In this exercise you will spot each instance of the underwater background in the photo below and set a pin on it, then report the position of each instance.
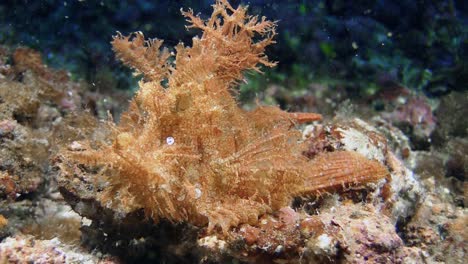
(388, 78)
(366, 44)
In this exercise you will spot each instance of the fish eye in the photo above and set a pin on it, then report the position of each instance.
(170, 141)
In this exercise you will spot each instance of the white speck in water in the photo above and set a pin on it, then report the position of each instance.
(170, 141)
(198, 193)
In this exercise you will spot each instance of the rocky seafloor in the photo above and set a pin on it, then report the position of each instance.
(417, 216)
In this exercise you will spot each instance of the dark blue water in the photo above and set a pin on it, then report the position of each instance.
(421, 44)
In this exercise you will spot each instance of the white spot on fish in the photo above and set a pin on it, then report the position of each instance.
(198, 193)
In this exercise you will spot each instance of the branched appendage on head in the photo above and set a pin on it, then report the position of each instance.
(233, 30)
(187, 152)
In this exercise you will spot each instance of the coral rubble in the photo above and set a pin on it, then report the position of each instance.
(39, 109)
(26, 249)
